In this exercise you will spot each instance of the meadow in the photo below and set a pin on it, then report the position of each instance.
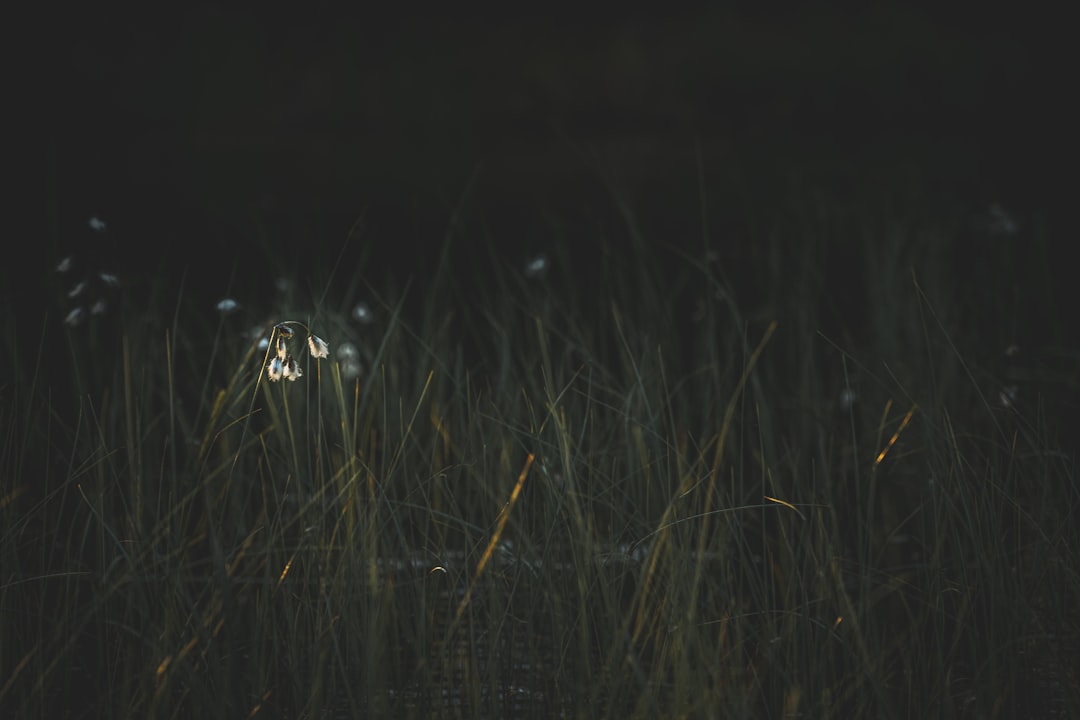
(817, 464)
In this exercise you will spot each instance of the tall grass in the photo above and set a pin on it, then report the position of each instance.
(621, 490)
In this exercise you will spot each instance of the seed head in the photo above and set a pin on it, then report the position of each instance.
(75, 316)
(283, 364)
(292, 370)
(318, 347)
(275, 369)
(362, 313)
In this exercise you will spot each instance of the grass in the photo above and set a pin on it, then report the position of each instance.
(650, 485)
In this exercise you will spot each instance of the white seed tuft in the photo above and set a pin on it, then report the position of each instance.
(536, 266)
(75, 316)
(274, 370)
(292, 370)
(318, 347)
(362, 313)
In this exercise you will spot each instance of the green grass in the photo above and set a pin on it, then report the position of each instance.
(628, 489)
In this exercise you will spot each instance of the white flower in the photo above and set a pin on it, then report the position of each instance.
(317, 346)
(350, 369)
(226, 306)
(292, 370)
(74, 317)
(274, 370)
(281, 348)
(97, 224)
(362, 313)
(536, 266)
(348, 358)
(347, 351)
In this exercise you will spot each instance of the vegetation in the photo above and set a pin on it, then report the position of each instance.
(827, 477)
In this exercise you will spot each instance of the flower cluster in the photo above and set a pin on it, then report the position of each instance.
(91, 287)
(283, 364)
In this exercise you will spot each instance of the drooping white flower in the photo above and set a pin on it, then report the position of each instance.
(292, 370)
(317, 346)
(274, 370)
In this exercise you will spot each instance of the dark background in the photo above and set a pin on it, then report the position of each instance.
(214, 140)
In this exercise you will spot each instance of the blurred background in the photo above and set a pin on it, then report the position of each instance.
(210, 139)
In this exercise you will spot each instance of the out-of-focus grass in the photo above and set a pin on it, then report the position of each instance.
(620, 488)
